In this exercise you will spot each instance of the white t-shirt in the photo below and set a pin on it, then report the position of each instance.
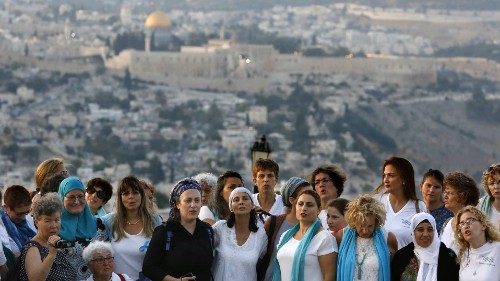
(234, 262)
(482, 264)
(277, 209)
(114, 277)
(399, 223)
(205, 213)
(323, 243)
(448, 237)
(129, 254)
(324, 219)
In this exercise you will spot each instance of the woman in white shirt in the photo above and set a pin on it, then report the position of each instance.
(239, 243)
(306, 250)
(479, 246)
(130, 228)
(397, 194)
(460, 190)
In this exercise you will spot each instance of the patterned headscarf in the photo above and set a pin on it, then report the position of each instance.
(175, 194)
(289, 188)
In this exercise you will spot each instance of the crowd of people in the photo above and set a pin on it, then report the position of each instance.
(218, 229)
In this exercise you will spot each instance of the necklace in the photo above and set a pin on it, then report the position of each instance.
(360, 264)
(133, 223)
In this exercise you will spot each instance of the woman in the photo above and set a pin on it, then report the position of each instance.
(399, 198)
(100, 260)
(208, 183)
(479, 246)
(47, 169)
(432, 194)
(77, 223)
(40, 260)
(97, 194)
(460, 190)
(335, 211)
(170, 255)
(365, 246)
(289, 193)
(426, 258)
(490, 203)
(306, 250)
(130, 228)
(217, 208)
(239, 243)
(150, 190)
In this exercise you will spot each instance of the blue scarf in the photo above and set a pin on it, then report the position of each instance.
(300, 253)
(73, 226)
(20, 233)
(346, 265)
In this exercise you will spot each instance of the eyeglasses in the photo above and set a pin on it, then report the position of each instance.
(320, 181)
(467, 222)
(79, 198)
(92, 190)
(103, 260)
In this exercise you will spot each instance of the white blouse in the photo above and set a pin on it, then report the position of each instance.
(323, 243)
(234, 262)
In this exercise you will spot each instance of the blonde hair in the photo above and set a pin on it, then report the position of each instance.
(362, 206)
(491, 234)
(46, 169)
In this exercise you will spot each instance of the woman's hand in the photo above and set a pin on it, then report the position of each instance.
(52, 243)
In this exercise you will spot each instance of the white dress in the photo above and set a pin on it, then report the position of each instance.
(448, 237)
(234, 262)
(481, 264)
(323, 243)
(399, 222)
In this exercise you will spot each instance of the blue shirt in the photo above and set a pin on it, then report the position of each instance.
(440, 214)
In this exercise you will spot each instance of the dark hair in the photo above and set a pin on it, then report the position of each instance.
(217, 202)
(16, 196)
(436, 174)
(104, 185)
(51, 184)
(465, 186)
(405, 171)
(335, 173)
(265, 164)
(338, 203)
(47, 205)
(314, 194)
(252, 224)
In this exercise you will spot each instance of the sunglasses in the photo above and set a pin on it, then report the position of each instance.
(99, 193)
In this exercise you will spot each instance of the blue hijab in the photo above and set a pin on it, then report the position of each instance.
(300, 253)
(76, 226)
(346, 264)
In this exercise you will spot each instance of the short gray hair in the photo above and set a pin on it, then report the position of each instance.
(209, 178)
(47, 205)
(96, 247)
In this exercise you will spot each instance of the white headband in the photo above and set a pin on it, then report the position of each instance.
(239, 189)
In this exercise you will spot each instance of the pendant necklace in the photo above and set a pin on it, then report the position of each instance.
(133, 223)
(360, 264)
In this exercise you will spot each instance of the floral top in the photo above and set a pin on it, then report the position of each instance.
(411, 270)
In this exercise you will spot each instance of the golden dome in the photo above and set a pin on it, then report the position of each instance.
(158, 20)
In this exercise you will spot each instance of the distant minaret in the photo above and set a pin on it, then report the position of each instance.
(222, 32)
(147, 43)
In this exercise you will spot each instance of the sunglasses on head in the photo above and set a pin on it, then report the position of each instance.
(99, 193)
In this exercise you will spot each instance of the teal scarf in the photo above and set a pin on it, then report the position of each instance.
(74, 226)
(300, 253)
(346, 264)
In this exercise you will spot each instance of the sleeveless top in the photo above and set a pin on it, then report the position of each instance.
(61, 269)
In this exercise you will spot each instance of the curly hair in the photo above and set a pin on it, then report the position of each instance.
(362, 206)
(47, 205)
(491, 233)
(336, 174)
(468, 192)
(96, 247)
(488, 177)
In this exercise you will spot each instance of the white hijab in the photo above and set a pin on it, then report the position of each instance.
(427, 257)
